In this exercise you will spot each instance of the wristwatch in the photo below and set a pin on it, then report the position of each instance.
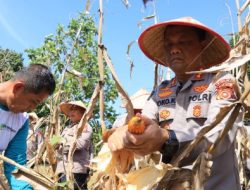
(172, 140)
(170, 147)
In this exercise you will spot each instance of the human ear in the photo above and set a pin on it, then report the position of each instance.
(18, 87)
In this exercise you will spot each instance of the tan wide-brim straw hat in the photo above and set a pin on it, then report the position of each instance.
(151, 42)
(65, 107)
(139, 99)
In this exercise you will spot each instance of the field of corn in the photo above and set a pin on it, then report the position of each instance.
(124, 170)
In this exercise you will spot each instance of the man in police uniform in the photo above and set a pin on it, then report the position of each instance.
(187, 103)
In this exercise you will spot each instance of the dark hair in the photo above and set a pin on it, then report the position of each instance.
(200, 32)
(179, 177)
(37, 78)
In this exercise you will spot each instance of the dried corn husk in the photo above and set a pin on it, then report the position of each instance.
(146, 178)
(101, 161)
(124, 170)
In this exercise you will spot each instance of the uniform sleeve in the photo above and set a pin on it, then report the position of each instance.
(151, 110)
(16, 151)
(225, 92)
(83, 141)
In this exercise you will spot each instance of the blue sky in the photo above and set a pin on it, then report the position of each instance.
(24, 24)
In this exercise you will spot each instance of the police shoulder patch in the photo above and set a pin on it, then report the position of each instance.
(225, 89)
(165, 92)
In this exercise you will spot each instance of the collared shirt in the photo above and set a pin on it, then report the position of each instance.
(13, 133)
(188, 109)
(81, 155)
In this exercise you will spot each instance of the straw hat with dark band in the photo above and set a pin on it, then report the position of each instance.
(151, 42)
(66, 107)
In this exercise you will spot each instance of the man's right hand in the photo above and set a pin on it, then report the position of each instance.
(150, 141)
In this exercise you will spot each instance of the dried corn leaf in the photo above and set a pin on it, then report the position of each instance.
(232, 63)
(36, 184)
(3, 183)
(147, 160)
(121, 161)
(51, 155)
(101, 161)
(146, 178)
(126, 3)
(125, 98)
(87, 7)
(119, 174)
(32, 175)
(144, 19)
(129, 57)
(97, 181)
(219, 117)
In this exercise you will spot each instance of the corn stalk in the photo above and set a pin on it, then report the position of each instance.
(125, 98)
(101, 66)
(32, 174)
(3, 184)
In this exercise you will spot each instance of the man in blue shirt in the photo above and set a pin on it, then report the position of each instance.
(28, 88)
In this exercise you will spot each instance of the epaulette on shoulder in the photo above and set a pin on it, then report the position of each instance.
(163, 83)
(151, 94)
(166, 82)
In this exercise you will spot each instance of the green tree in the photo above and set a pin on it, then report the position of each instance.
(10, 62)
(83, 59)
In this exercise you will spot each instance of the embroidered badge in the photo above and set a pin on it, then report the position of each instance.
(197, 111)
(200, 88)
(224, 94)
(225, 83)
(225, 89)
(165, 92)
(164, 114)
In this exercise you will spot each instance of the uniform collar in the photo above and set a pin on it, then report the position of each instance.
(73, 125)
(188, 83)
(3, 107)
(195, 77)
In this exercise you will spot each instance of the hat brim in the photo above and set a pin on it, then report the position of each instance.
(151, 42)
(65, 107)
